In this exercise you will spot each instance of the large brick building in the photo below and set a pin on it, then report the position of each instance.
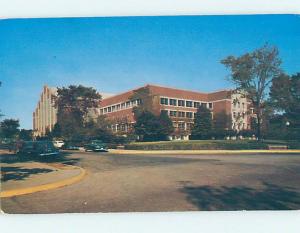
(181, 106)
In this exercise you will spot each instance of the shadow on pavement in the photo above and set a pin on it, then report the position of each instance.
(63, 157)
(271, 197)
(18, 173)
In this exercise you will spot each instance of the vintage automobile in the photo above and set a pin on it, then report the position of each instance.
(58, 143)
(37, 148)
(69, 145)
(96, 146)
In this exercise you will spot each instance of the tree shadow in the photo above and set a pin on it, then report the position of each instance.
(270, 197)
(18, 173)
(63, 157)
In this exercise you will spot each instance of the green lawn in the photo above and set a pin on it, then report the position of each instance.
(209, 145)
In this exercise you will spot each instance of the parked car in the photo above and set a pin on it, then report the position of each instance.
(37, 148)
(70, 146)
(96, 146)
(58, 143)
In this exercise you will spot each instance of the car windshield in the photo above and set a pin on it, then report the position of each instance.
(27, 144)
(96, 142)
(45, 144)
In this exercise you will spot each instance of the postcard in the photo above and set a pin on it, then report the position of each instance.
(150, 114)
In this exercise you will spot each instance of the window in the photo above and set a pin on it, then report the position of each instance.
(122, 105)
(113, 108)
(133, 102)
(189, 125)
(181, 114)
(109, 109)
(118, 107)
(118, 127)
(105, 110)
(210, 105)
(127, 104)
(181, 125)
(101, 111)
(234, 114)
(139, 101)
(195, 114)
(181, 103)
(189, 114)
(173, 113)
(196, 104)
(239, 105)
(164, 101)
(164, 111)
(204, 104)
(123, 127)
(173, 102)
(189, 103)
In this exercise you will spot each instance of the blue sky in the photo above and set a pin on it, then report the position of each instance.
(117, 54)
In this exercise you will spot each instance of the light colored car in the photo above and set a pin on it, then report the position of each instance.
(58, 144)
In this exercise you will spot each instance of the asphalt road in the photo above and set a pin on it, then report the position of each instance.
(124, 183)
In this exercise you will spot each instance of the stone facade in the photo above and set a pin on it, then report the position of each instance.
(45, 114)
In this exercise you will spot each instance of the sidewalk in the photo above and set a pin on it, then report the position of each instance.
(202, 152)
(24, 178)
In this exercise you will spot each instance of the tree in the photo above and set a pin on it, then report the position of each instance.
(56, 131)
(10, 128)
(202, 124)
(252, 73)
(73, 104)
(166, 125)
(221, 124)
(285, 98)
(148, 127)
(145, 98)
(26, 134)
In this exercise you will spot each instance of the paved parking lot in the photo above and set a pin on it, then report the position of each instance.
(122, 183)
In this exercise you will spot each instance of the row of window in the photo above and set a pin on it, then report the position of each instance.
(184, 103)
(183, 125)
(239, 115)
(120, 106)
(238, 105)
(180, 114)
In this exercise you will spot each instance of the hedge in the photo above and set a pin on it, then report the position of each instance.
(198, 145)
(208, 145)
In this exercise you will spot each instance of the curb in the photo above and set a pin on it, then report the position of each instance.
(45, 187)
(201, 152)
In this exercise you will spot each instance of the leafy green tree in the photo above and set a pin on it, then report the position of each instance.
(202, 128)
(10, 128)
(26, 134)
(148, 127)
(73, 104)
(252, 73)
(285, 98)
(145, 98)
(221, 124)
(56, 131)
(166, 125)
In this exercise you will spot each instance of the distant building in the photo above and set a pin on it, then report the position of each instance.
(180, 105)
(45, 114)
